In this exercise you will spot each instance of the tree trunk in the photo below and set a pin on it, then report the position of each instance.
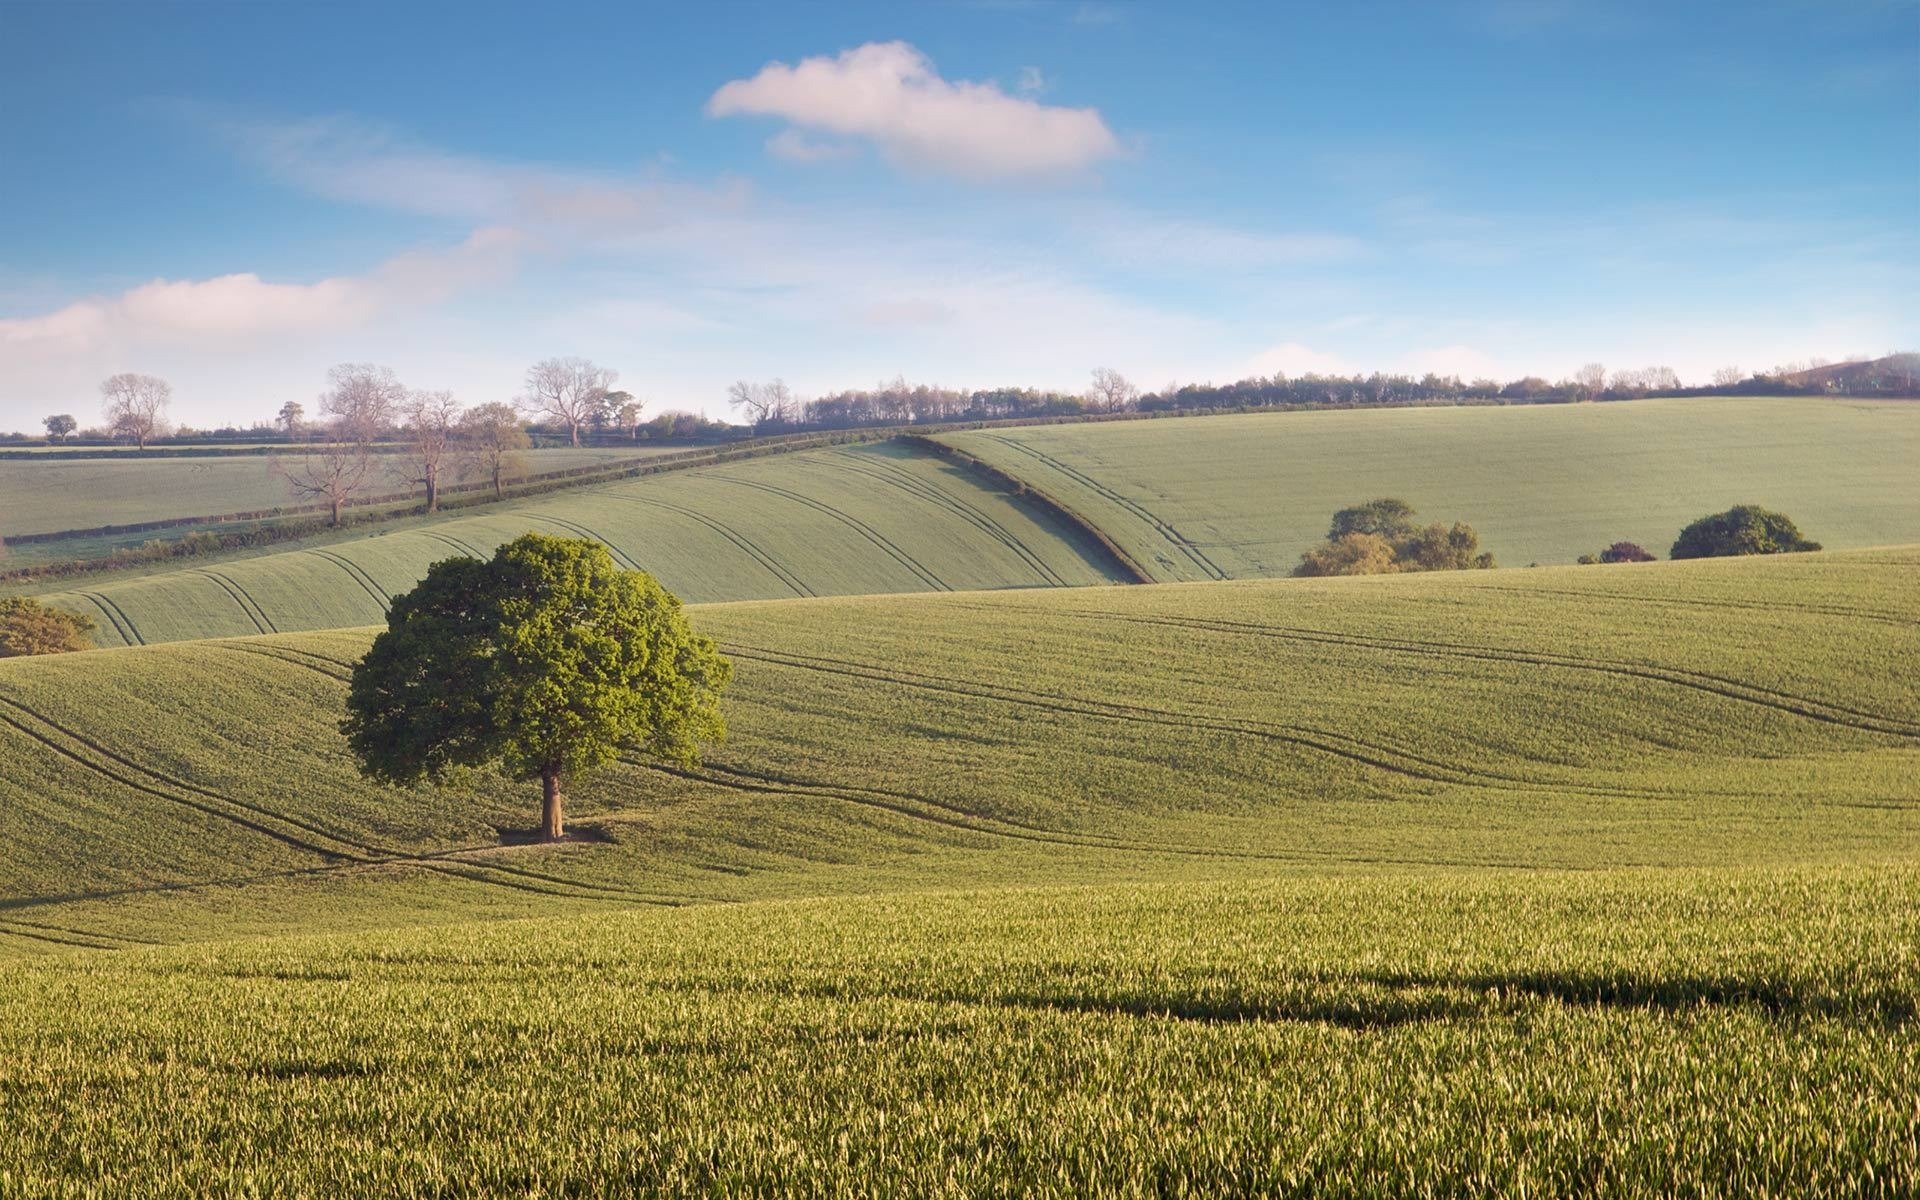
(433, 492)
(336, 512)
(575, 428)
(498, 494)
(552, 815)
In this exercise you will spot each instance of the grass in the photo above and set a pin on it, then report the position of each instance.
(848, 520)
(1241, 496)
(1568, 881)
(1708, 1033)
(45, 497)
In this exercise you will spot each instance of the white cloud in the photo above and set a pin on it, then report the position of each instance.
(793, 146)
(890, 94)
(242, 306)
(1292, 358)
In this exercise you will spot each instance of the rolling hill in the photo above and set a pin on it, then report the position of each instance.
(1235, 497)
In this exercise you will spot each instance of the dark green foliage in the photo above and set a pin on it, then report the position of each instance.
(547, 660)
(1623, 552)
(1743, 529)
(1386, 517)
(1380, 538)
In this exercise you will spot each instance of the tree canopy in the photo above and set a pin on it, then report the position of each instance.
(30, 627)
(1742, 529)
(1381, 537)
(548, 660)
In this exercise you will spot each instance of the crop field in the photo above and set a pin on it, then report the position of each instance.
(1566, 880)
(64, 493)
(850, 520)
(1236, 497)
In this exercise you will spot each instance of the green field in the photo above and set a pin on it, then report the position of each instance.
(60, 494)
(1529, 882)
(1240, 497)
(850, 520)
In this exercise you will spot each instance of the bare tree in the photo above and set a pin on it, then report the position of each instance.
(362, 400)
(335, 471)
(1592, 379)
(491, 441)
(1728, 377)
(766, 403)
(568, 390)
(293, 414)
(1111, 391)
(136, 406)
(431, 421)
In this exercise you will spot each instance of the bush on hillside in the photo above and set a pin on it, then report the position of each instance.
(1743, 529)
(1380, 537)
(30, 627)
(1619, 552)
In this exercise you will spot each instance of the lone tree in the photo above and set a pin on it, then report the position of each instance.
(293, 414)
(548, 660)
(30, 627)
(135, 405)
(60, 426)
(571, 391)
(1743, 529)
(492, 439)
(1111, 391)
(431, 421)
(361, 400)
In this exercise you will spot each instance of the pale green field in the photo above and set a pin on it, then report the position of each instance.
(1570, 881)
(858, 519)
(1241, 496)
(45, 497)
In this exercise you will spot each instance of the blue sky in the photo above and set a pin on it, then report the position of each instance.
(237, 196)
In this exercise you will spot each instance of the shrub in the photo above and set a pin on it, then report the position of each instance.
(1380, 537)
(30, 627)
(1743, 529)
(1621, 552)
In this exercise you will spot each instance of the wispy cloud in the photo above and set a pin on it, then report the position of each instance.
(889, 93)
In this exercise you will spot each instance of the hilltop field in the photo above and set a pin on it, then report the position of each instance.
(1225, 497)
(1011, 880)
(1471, 882)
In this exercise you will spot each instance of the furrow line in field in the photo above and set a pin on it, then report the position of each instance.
(265, 652)
(739, 540)
(12, 930)
(576, 528)
(1830, 610)
(961, 819)
(278, 835)
(233, 592)
(1381, 757)
(464, 549)
(1166, 530)
(358, 574)
(888, 473)
(854, 523)
(122, 623)
(1719, 685)
(107, 613)
(43, 927)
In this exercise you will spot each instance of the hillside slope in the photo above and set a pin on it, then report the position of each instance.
(1240, 497)
(1732, 712)
(856, 519)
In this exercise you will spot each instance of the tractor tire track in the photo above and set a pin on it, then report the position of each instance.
(456, 543)
(1177, 539)
(1391, 759)
(740, 540)
(356, 851)
(1829, 610)
(574, 527)
(894, 476)
(248, 606)
(122, 623)
(854, 523)
(1827, 711)
(358, 574)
